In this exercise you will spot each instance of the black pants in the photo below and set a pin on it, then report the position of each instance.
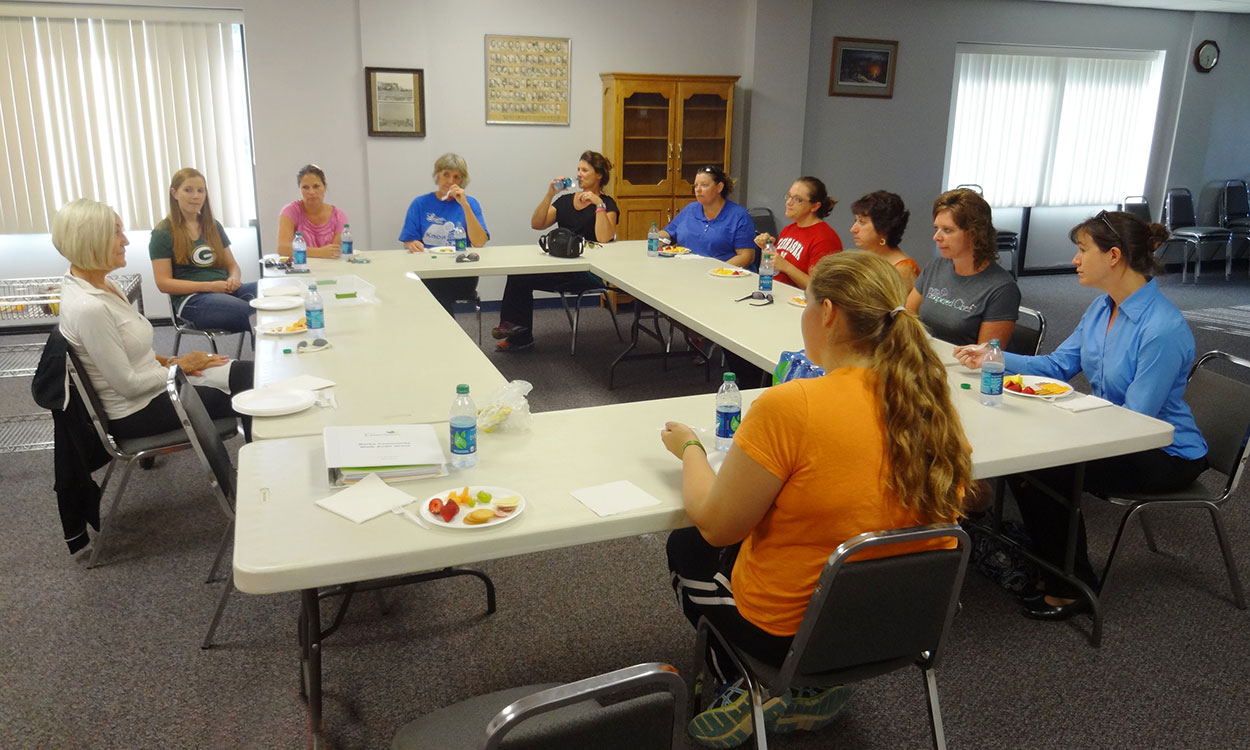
(517, 306)
(1047, 519)
(159, 415)
(700, 575)
(447, 291)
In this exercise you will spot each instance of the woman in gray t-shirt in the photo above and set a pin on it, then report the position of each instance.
(965, 297)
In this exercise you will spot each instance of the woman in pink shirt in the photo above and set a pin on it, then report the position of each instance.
(318, 222)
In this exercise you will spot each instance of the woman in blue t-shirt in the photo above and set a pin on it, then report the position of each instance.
(1136, 349)
(714, 225)
(432, 216)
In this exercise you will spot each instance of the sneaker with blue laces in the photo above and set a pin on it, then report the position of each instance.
(727, 722)
(812, 708)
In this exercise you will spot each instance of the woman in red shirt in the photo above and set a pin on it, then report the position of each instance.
(809, 238)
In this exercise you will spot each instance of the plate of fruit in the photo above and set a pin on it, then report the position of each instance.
(729, 272)
(1034, 386)
(472, 507)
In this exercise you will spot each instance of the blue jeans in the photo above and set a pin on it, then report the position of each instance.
(218, 310)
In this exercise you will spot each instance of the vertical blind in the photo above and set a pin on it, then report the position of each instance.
(110, 108)
(1054, 130)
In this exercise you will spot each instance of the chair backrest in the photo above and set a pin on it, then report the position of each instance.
(764, 220)
(91, 399)
(1138, 206)
(874, 616)
(971, 186)
(653, 720)
(203, 435)
(1178, 210)
(1027, 339)
(1234, 201)
(1221, 407)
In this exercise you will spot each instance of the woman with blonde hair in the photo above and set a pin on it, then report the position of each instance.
(965, 297)
(115, 341)
(873, 444)
(192, 262)
(431, 218)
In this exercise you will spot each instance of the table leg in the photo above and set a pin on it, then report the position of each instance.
(310, 659)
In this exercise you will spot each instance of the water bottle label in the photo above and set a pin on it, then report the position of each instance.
(766, 283)
(347, 247)
(727, 422)
(464, 440)
(316, 319)
(991, 383)
(653, 245)
(461, 244)
(299, 256)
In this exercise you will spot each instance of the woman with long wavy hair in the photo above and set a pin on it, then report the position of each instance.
(873, 444)
(192, 262)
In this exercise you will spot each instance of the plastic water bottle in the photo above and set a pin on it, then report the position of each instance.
(566, 183)
(463, 420)
(767, 270)
(315, 312)
(728, 412)
(345, 240)
(653, 241)
(992, 368)
(459, 238)
(299, 251)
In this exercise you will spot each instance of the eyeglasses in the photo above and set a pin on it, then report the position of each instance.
(1114, 234)
(467, 257)
(768, 298)
(796, 199)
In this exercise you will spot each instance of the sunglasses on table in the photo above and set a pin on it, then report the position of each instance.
(757, 295)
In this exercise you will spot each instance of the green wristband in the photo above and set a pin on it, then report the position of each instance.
(689, 443)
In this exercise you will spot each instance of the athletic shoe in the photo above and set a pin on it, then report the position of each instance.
(812, 708)
(504, 330)
(515, 343)
(727, 722)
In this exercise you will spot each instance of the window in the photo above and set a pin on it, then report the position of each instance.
(1044, 127)
(109, 107)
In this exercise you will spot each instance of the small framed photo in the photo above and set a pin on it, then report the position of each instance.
(395, 102)
(863, 67)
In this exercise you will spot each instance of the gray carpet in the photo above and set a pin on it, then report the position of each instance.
(109, 658)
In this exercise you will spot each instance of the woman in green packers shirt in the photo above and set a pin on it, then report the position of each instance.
(192, 262)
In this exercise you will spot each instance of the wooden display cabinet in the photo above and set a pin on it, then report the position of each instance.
(658, 131)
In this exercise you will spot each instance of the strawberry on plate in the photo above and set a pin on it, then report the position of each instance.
(449, 511)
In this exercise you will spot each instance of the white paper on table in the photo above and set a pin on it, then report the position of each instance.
(1081, 403)
(382, 445)
(302, 383)
(366, 499)
(614, 497)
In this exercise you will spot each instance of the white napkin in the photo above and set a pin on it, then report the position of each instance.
(614, 497)
(1081, 403)
(302, 383)
(368, 498)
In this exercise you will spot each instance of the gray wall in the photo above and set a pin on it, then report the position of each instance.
(859, 145)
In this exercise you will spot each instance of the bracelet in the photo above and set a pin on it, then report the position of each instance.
(601, 208)
(689, 443)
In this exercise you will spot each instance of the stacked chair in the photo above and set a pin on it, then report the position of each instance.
(1234, 212)
(1181, 221)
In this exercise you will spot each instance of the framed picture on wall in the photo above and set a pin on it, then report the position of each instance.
(395, 102)
(863, 67)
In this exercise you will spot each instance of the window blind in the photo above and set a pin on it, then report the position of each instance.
(110, 108)
(1053, 128)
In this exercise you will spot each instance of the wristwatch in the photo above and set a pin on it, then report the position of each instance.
(601, 207)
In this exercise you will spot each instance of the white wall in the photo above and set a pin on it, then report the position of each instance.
(899, 144)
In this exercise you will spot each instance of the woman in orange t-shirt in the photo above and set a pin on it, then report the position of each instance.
(812, 465)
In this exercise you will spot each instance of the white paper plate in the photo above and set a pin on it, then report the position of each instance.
(272, 402)
(797, 301)
(441, 250)
(458, 522)
(286, 290)
(282, 302)
(276, 329)
(740, 273)
(674, 252)
(1036, 380)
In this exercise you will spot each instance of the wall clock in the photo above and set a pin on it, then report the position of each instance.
(1206, 55)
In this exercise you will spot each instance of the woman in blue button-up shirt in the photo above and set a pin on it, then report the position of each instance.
(714, 225)
(1136, 349)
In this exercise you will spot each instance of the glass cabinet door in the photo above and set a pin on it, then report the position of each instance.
(703, 132)
(646, 152)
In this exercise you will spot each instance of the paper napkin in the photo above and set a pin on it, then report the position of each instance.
(368, 498)
(614, 497)
(1081, 403)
